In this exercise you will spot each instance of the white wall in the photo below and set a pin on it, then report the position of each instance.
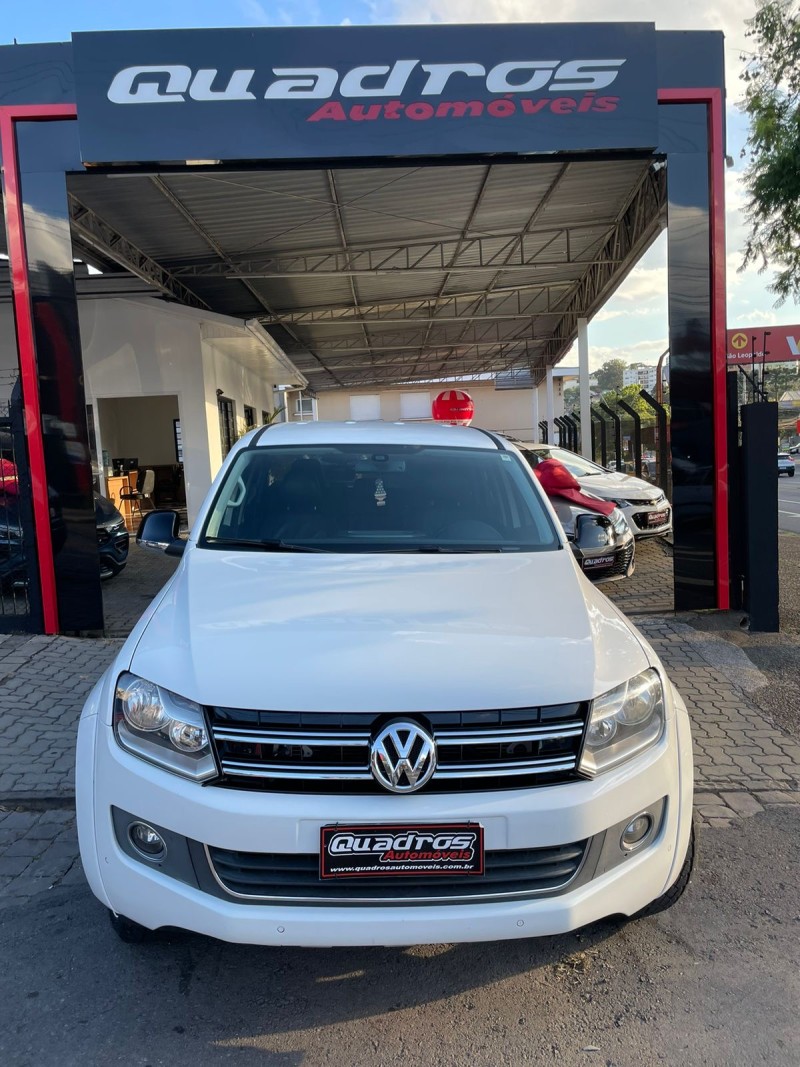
(506, 410)
(239, 384)
(143, 348)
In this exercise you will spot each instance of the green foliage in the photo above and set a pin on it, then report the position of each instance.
(572, 399)
(610, 375)
(781, 377)
(271, 416)
(630, 394)
(772, 178)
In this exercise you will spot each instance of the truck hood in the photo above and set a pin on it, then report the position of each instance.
(384, 633)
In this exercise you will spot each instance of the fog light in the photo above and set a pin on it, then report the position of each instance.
(636, 832)
(147, 841)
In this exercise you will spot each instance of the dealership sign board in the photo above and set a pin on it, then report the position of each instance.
(345, 92)
(764, 344)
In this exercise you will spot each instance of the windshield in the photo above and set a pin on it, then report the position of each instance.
(576, 465)
(389, 499)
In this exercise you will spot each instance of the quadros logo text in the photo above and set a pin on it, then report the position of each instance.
(176, 83)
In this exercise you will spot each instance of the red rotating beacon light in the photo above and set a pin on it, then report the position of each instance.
(454, 407)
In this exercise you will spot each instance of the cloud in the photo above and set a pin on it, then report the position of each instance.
(726, 15)
(255, 12)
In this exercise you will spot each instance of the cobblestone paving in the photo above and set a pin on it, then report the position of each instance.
(743, 762)
(44, 682)
(38, 853)
(126, 596)
(649, 589)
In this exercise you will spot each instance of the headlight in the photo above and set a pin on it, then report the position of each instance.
(619, 522)
(163, 728)
(624, 722)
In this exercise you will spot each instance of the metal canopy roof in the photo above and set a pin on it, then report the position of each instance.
(379, 275)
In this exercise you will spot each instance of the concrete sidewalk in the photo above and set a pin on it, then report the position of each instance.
(743, 761)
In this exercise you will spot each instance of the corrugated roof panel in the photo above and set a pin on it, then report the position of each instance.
(469, 226)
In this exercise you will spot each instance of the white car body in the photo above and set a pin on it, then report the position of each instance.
(637, 499)
(369, 634)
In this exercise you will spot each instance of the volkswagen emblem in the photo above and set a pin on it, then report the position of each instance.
(403, 757)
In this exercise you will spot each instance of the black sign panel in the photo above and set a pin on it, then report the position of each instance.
(349, 92)
(367, 851)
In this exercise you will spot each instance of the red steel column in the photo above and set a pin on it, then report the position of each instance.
(20, 288)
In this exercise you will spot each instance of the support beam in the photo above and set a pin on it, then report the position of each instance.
(535, 413)
(508, 252)
(519, 301)
(96, 234)
(551, 422)
(478, 335)
(583, 382)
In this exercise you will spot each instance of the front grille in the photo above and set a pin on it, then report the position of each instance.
(307, 752)
(294, 878)
(622, 561)
(118, 534)
(647, 502)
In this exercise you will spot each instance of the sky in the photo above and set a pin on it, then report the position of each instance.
(633, 324)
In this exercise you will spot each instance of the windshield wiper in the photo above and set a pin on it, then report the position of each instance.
(267, 545)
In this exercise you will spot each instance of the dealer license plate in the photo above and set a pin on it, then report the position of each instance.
(597, 561)
(405, 849)
(657, 518)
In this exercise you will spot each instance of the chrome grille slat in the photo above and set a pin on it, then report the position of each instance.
(480, 737)
(251, 738)
(314, 773)
(508, 770)
(329, 753)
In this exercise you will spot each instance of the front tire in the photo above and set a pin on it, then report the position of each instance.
(678, 888)
(130, 932)
(109, 568)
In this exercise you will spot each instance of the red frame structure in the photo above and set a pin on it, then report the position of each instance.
(711, 98)
(21, 294)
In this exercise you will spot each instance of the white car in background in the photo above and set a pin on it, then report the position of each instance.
(644, 506)
(379, 704)
(785, 464)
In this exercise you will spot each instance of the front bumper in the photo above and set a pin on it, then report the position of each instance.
(231, 819)
(608, 565)
(637, 518)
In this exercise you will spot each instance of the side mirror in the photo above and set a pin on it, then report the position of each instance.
(160, 530)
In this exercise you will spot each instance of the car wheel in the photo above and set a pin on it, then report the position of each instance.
(109, 569)
(790, 473)
(678, 888)
(130, 932)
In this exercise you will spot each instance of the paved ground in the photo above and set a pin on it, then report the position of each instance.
(714, 981)
(126, 596)
(789, 502)
(649, 590)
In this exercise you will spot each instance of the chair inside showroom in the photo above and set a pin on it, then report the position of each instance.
(135, 497)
